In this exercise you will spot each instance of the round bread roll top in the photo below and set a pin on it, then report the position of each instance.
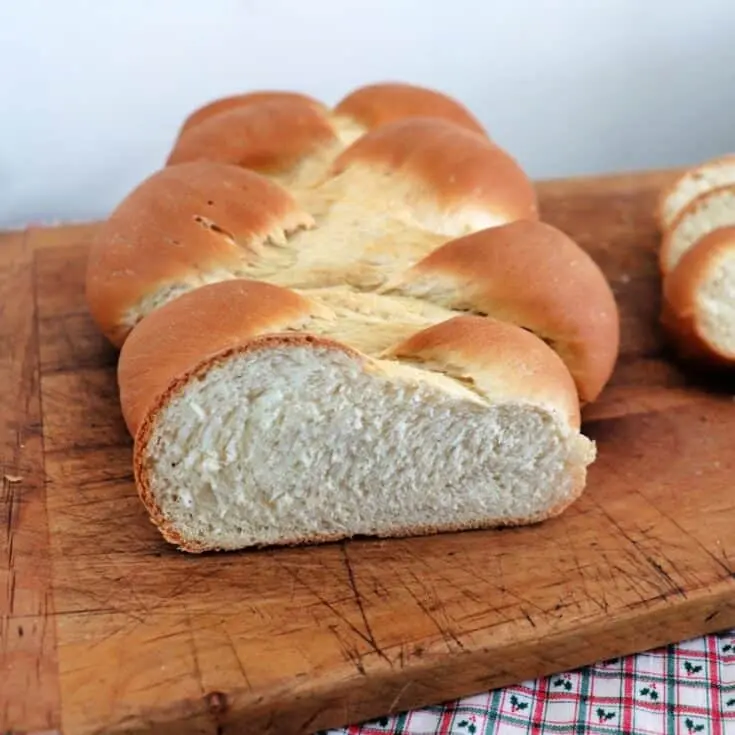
(182, 225)
(536, 277)
(226, 104)
(272, 136)
(698, 309)
(378, 104)
(438, 175)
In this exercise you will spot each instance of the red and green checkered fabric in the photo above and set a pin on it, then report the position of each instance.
(683, 689)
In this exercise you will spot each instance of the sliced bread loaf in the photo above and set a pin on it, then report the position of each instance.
(320, 341)
(261, 416)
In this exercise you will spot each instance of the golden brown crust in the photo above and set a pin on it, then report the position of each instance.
(179, 335)
(378, 104)
(193, 547)
(271, 137)
(225, 104)
(178, 224)
(532, 275)
(455, 166)
(493, 353)
(679, 312)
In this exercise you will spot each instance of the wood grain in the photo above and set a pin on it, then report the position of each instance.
(143, 639)
(29, 688)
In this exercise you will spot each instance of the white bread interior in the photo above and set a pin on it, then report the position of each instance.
(294, 444)
(715, 304)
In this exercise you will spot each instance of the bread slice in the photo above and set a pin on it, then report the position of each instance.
(708, 212)
(698, 308)
(262, 417)
(694, 182)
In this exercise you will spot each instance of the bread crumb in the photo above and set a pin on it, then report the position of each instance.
(13, 478)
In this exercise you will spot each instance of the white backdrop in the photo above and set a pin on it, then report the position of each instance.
(92, 93)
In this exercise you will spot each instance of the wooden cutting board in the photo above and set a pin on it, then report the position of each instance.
(106, 629)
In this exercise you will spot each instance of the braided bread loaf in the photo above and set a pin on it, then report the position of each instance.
(697, 261)
(267, 416)
(396, 346)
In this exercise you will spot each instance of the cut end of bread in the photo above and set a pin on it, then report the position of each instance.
(291, 441)
(715, 305)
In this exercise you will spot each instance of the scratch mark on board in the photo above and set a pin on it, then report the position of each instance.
(446, 633)
(194, 651)
(358, 599)
(334, 610)
(240, 664)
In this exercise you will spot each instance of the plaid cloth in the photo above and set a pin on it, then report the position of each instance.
(683, 689)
